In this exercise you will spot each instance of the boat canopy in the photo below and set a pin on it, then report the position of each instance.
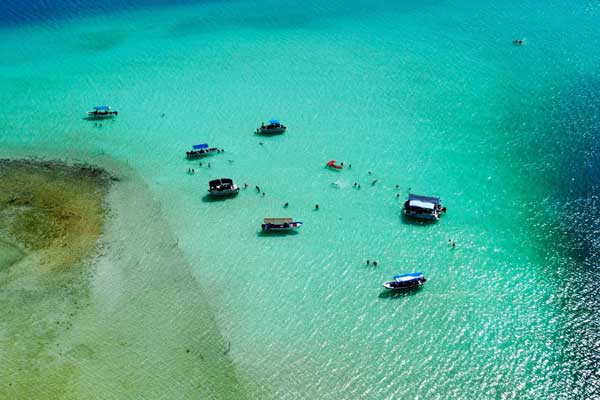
(274, 122)
(278, 221)
(409, 277)
(218, 182)
(102, 108)
(425, 199)
(200, 146)
(421, 204)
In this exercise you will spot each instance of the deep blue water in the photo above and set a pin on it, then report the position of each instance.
(15, 12)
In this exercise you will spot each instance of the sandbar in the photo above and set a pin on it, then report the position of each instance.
(96, 299)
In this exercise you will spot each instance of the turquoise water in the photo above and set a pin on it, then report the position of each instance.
(429, 96)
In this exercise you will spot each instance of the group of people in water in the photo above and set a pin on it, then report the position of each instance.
(193, 171)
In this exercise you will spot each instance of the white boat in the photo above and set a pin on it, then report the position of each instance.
(222, 187)
(102, 112)
(273, 128)
(280, 224)
(406, 281)
(423, 207)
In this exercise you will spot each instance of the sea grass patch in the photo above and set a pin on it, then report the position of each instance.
(52, 207)
(51, 217)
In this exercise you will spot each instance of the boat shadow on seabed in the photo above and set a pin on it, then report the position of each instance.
(262, 233)
(395, 294)
(406, 220)
(207, 198)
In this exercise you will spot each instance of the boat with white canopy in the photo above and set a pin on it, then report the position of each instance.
(222, 187)
(423, 207)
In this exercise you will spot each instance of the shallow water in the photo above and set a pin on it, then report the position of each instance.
(429, 96)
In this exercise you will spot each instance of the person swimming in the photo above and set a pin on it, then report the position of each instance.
(518, 42)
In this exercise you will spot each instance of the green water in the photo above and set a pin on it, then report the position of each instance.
(431, 97)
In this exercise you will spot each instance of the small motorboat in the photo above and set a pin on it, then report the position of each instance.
(273, 128)
(406, 281)
(423, 207)
(223, 187)
(280, 224)
(101, 112)
(201, 150)
(332, 164)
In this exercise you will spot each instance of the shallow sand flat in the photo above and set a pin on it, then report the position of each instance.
(51, 216)
(130, 323)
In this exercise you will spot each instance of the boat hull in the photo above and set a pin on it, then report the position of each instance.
(273, 131)
(192, 155)
(276, 228)
(425, 216)
(222, 193)
(393, 285)
(101, 116)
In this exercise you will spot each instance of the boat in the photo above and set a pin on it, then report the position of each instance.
(273, 128)
(280, 224)
(102, 112)
(332, 164)
(406, 281)
(423, 207)
(222, 187)
(200, 150)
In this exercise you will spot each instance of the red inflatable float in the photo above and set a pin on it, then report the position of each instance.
(332, 164)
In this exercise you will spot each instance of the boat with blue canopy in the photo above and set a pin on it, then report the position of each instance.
(406, 281)
(423, 207)
(274, 127)
(102, 112)
(201, 150)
